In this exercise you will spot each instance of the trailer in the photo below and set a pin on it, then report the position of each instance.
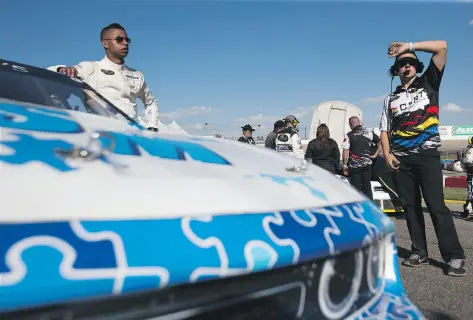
(335, 115)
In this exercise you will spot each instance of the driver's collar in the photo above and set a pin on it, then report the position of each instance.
(114, 65)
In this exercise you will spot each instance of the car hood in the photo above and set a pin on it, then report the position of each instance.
(165, 175)
(165, 198)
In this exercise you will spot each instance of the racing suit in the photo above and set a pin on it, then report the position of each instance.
(288, 140)
(121, 85)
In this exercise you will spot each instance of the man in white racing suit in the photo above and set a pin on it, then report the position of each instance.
(288, 140)
(117, 82)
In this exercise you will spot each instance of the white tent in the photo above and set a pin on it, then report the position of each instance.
(163, 127)
(174, 128)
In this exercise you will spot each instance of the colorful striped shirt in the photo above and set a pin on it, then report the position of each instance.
(411, 117)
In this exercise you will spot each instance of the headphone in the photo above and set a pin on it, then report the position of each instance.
(394, 70)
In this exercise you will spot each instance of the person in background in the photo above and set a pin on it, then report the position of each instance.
(247, 136)
(357, 155)
(410, 138)
(323, 151)
(466, 158)
(113, 79)
(288, 140)
(270, 141)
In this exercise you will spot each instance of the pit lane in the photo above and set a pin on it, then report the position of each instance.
(438, 296)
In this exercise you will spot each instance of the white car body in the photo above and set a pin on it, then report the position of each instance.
(134, 210)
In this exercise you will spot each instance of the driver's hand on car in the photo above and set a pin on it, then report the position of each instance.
(392, 162)
(68, 71)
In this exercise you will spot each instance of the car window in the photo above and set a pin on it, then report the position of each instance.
(20, 85)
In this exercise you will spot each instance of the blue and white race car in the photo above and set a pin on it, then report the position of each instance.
(101, 219)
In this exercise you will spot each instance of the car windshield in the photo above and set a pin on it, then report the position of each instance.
(38, 86)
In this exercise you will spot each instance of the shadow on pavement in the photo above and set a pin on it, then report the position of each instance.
(404, 253)
(432, 315)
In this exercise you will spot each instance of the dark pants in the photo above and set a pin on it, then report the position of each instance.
(423, 172)
(469, 184)
(360, 178)
(380, 172)
(327, 165)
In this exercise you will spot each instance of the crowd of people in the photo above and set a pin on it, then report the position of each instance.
(408, 142)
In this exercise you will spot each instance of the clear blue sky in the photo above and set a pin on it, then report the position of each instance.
(232, 63)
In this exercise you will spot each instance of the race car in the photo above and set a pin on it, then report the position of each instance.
(101, 219)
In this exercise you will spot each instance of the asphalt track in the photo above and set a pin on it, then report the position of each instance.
(438, 296)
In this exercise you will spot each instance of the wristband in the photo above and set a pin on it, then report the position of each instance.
(412, 46)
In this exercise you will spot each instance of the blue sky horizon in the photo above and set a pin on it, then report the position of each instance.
(229, 63)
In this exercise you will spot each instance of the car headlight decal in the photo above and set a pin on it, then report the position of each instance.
(337, 310)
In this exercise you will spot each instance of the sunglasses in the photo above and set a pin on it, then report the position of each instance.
(119, 39)
(407, 61)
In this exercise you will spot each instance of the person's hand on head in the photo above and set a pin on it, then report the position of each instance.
(397, 48)
(68, 71)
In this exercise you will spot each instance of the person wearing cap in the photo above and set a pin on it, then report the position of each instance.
(270, 141)
(288, 140)
(247, 136)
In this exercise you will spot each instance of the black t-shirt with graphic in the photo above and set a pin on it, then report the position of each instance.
(411, 117)
(359, 143)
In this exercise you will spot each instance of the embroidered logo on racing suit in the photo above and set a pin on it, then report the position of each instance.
(108, 72)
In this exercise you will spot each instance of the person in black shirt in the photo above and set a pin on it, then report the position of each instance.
(357, 155)
(410, 139)
(270, 141)
(323, 151)
(247, 136)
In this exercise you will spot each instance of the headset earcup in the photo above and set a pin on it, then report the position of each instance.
(393, 70)
(420, 66)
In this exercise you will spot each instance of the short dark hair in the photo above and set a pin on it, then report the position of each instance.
(111, 26)
(279, 124)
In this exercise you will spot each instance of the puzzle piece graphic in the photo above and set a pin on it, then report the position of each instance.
(390, 307)
(47, 281)
(324, 231)
(159, 244)
(90, 254)
(243, 241)
(304, 181)
(136, 283)
(37, 119)
(28, 148)
(307, 230)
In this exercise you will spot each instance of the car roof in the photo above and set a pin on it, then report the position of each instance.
(37, 71)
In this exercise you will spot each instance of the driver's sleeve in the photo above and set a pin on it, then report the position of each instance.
(297, 149)
(151, 106)
(84, 69)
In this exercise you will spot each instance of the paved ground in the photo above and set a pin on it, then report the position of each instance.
(439, 296)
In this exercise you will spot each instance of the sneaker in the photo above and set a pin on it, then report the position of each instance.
(415, 260)
(466, 210)
(456, 267)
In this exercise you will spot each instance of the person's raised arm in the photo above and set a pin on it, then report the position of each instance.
(438, 48)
